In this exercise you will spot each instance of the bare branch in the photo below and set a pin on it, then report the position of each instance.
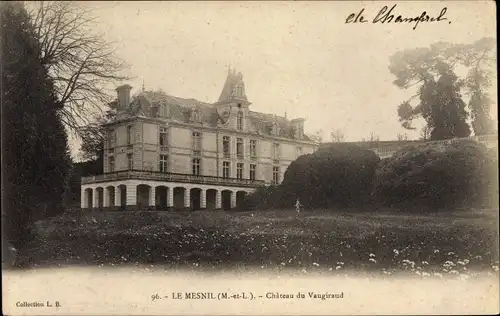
(80, 62)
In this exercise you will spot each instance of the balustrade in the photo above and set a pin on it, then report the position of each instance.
(170, 177)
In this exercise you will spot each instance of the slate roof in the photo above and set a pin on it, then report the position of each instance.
(232, 79)
(148, 103)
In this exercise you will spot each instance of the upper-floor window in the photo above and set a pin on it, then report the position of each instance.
(239, 170)
(163, 163)
(163, 136)
(130, 135)
(196, 166)
(111, 164)
(196, 141)
(112, 139)
(276, 175)
(226, 148)
(130, 161)
(276, 151)
(239, 148)
(239, 121)
(253, 149)
(253, 171)
(226, 169)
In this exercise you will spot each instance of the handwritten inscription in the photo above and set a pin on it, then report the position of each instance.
(246, 296)
(386, 15)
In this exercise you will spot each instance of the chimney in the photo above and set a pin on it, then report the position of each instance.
(123, 93)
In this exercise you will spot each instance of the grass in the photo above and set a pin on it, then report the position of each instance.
(461, 244)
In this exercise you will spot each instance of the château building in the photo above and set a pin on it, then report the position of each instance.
(167, 152)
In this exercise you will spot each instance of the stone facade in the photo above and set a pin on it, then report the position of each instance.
(223, 144)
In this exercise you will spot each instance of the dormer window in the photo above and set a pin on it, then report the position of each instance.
(163, 110)
(196, 116)
(275, 129)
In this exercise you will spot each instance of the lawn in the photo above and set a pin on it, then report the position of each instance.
(462, 244)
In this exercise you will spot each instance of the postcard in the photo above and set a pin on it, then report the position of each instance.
(249, 158)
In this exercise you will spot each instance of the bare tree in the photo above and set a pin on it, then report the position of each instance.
(80, 62)
(373, 138)
(425, 133)
(337, 136)
(402, 137)
(317, 136)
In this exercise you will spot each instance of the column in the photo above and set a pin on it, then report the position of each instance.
(83, 197)
(105, 197)
(187, 198)
(152, 196)
(218, 200)
(233, 200)
(203, 199)
(118, 196)
(95, 197)
(170, 197)
(131, 194)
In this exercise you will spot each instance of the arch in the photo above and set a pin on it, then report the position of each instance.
(122, 191)
(88, 195)
(226, 199)
(179, 193)
(161, 193)
(211, 196)
(99, 191)
(195, 195)
(110, 190)
(143, 196)
(240, 198)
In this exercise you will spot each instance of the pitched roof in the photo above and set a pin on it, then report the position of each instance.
(179, 109)
(233, 79)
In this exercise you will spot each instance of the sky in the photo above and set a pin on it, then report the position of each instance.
(296, 57)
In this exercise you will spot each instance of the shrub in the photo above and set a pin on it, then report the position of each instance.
(335, 175)
(434, 175)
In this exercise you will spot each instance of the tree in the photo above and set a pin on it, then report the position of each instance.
(445, 110)
(94, 135)
(317, 136)
(79, 61)
(402, 137)
(35, 152)
(432, 69)
(425, 133)
(372, 139)
(337, 136)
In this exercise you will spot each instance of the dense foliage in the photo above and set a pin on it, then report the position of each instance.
(35, 156)
(433, 175)
(335, 175)
(432, 71)
(427, 176)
